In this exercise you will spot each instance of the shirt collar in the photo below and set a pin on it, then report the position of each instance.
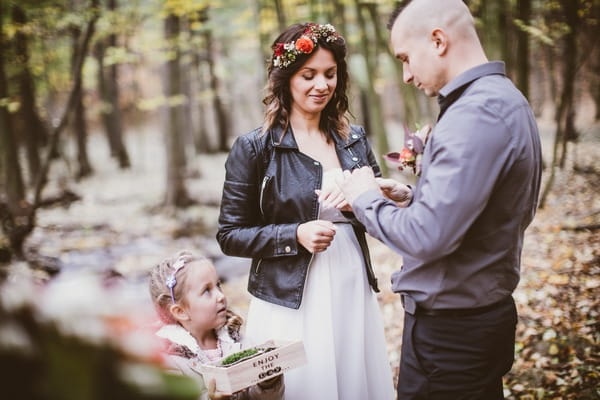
(489, 68)
(453, 89)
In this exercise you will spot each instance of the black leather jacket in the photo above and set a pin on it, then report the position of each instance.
(269, 190)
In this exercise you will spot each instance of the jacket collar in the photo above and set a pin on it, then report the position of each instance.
(288, 141)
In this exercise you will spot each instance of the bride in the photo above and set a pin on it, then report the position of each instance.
(311, 277)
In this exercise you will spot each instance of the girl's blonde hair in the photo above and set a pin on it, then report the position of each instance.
(161, 293)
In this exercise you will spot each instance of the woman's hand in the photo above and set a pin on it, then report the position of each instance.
(395, 191)
(213, 394)
(316, 236)
(333, 198)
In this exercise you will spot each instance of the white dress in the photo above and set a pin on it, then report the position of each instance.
(339, 322)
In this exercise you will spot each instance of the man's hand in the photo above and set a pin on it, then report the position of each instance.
(316, 236)
(395, 191)
(357, 182)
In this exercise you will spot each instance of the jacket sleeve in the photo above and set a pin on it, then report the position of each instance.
(241, 231)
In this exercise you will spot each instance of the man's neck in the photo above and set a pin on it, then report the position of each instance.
(464, 61)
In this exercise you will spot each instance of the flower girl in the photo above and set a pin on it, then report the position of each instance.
(198, 326)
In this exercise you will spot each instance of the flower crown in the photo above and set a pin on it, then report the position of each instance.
(285, 54)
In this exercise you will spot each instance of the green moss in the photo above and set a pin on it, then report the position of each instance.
(235, 357)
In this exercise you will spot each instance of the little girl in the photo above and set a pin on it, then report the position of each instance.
(198, 325)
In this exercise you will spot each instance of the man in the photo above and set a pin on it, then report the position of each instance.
(462, 233)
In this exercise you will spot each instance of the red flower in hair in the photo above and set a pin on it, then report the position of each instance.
(278, 49)
(305, 45)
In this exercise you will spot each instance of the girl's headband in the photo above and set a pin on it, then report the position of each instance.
(171, 280)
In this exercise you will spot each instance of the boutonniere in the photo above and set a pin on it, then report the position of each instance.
(412, 153)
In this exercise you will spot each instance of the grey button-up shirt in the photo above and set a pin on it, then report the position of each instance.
(462, 235)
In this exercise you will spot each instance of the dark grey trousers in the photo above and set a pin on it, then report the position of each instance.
(457, 357)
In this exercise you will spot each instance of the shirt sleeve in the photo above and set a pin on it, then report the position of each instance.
(470, 150)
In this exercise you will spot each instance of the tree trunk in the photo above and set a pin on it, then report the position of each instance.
(11, 180)
(264, 39)
(505, 25)
(595, 81)
(187, 91)
(34, 131)
(413, 113)
(201, 137)
(108, 88)
(176, 193)
(69, 107)
(564, 111)
(312, 9)
(281, 19)
(568, 118)
(337, 14)
(375, 110)
(490, 33)
(524, 7)
(113, 95)
(79, 121)
(215, 87)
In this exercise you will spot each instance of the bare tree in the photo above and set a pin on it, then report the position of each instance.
(34, 131)
(12, 203)
(176, 192)
(369, 53)
(524, 12)
(79, 118)
(108, 87)
(215, 87)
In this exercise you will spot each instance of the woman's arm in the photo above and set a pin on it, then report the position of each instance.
(241, 230)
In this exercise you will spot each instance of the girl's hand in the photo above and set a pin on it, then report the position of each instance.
(213, 394)
(333, 197)
(395, 191)
(316, 236)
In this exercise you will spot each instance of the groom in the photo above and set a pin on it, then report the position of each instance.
(462, 233)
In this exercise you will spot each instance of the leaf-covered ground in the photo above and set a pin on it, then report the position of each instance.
(118, 226)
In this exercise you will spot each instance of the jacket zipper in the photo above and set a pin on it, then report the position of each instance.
(257, 267)
(312, 256)
(262, 191)
(260, 206)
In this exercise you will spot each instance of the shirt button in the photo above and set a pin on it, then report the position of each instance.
(316, 162)
(355, 136)
(288, 249)
(354, 158)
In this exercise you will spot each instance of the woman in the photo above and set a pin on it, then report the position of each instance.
(311, 276)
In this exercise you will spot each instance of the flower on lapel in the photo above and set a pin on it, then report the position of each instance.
(412, 153)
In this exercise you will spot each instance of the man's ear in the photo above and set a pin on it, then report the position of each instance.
(178, 312)
(439, 40)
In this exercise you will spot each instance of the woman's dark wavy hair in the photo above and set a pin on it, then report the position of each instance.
(278, 98)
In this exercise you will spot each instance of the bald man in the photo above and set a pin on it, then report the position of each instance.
(461, 235)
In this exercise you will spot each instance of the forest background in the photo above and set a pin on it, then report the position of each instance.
(115, 121)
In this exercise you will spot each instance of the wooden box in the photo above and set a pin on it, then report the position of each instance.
(238, 376)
